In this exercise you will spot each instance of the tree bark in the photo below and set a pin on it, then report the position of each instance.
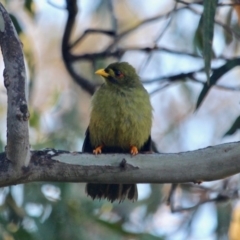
(17, 150)
(207, 164)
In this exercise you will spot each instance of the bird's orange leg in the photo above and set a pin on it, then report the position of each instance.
(98, 150)
(133, 150)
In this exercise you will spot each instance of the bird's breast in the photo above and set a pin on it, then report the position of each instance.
(120, 119)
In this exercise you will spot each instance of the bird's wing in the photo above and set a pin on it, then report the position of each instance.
(147, 147)
(87, 146)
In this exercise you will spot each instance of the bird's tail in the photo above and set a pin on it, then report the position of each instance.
(112, 192)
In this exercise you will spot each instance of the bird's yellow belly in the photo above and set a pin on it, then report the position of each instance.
(120, 128)
(120, 119)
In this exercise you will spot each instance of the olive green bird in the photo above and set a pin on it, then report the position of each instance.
(120, 122)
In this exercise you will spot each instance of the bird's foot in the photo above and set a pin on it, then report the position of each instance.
(133, 150)
(98, 150)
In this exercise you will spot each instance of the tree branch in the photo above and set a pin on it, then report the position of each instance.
(120, 51)
(172, 78)
(207, 164)
(66, 46)
(14, 80)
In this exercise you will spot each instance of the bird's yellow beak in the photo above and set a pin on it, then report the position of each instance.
(102, 73)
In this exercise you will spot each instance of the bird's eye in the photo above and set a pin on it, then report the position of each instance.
(118, 73)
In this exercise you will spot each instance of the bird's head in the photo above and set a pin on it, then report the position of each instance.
(120, 74)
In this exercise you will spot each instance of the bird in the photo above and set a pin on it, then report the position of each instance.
(120, 122)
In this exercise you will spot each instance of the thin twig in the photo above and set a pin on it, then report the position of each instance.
(140, 24)
(113, 15)
(159, 36)
(93, 31)
(219, 86)
(173, 78)
(219, 198)
(222, 87)
(170, 16)
(171, 194)
(160, 89)
(120, 51)
(56, 6)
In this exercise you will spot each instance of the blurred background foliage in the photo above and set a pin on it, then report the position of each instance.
(164, 40)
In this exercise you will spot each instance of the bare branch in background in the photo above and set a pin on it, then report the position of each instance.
(17, 149)
(221, 197)
(120, 36)
(173, 78)
(120, 51)
(167, 81)
(93, 31)
(72, 9)
(159, 36)
(112, 50)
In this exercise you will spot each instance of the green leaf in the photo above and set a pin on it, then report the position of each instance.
(34, 120)
(233, 128)
(217, 73)
(224, 217)
(23, 234)
(208, 27)
(228, 37)
(198, 37)
(29, 5)
(16, 24)
(155, 199)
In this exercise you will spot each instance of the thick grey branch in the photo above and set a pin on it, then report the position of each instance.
(207, 164)
(14, 79)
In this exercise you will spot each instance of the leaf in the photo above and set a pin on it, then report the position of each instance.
(16, 24)
(34, 120)
(23, 234)
(198, 37)
(30, 7)
(233, 128)
(208, 27)
(228, 37)
(226, 216)
(217, 73)
(155, 199)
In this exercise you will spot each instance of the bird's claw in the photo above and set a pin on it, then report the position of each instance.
(134, 150)
(98, 150)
